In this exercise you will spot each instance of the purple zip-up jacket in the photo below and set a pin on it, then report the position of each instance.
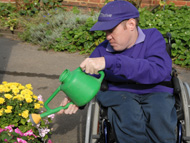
(146, 62)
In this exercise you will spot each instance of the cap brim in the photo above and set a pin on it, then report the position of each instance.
(101, 26)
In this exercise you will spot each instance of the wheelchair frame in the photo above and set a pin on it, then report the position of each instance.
(95, 127)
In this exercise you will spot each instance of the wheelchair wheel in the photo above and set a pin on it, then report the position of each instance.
(98, 128)
(185, 123)
(92, 123)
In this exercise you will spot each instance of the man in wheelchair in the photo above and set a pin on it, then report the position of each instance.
(137, 68)
(140, 96)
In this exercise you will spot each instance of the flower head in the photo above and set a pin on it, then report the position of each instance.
(28, 100)
(52, 116)
(10, 128)
(8, 111)
(40, 98)
(19, 140)
(29, 86)
(37, 106)
(2, 100)
(10, 107)
(1, 112)
(25, 114)
(43, 131)
(8, 96)
(15, 90)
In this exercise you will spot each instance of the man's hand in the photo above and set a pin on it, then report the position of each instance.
(93, 65)
(72, 109)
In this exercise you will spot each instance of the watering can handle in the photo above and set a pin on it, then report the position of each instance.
(102, 76)
(51, 97)
(52, 111)
(55, 110)
(100, 72)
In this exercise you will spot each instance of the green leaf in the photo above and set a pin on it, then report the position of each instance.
(23, 121)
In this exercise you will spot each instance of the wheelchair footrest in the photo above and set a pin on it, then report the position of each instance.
(187, 138)
(95, 136)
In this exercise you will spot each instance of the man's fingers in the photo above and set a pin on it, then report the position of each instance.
(60, 112)
(83, 64)
(93, 65)
(64, 102)
(72, 109)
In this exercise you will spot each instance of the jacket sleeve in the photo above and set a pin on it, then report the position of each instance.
(155, 67)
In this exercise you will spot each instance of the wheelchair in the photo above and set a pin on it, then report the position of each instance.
(98, 128)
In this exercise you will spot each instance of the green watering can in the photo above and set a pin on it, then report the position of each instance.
(78, 86)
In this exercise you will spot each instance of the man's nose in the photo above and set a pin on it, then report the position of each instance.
(108, 36)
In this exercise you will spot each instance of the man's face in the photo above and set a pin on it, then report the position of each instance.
(122, 36)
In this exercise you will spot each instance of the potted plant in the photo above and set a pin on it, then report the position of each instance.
(17, 101)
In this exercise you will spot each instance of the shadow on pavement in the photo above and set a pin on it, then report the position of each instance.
(64, 124)
(5, 52)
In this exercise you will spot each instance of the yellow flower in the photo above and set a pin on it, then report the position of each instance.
(8, 111)
(23, 92)
(15, 97)
(4, 82)
(8, 96)
(37, 106)
(19, 97)
(28, 100)
(4, 88)
(41, 102)
(15, 91)
(25, 114)
(2, 100)
(21, 87)
(26, 91)
(7, 89)
(29, 86)
(12, 87)
(9, 107)
(14, 84)
(35, 97)
(27, 96)
(1, 88)
(1, 112)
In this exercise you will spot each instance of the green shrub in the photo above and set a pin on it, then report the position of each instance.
(51, 25)
(60, 30)
(176, 21)
(6, 9)
(79, 39)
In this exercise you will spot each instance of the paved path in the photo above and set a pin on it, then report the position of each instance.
(24, 63)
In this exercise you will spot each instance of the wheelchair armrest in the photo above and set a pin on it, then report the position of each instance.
(175, 81)
(176, 85)
(104, 85)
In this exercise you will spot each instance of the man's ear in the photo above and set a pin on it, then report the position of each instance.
(131, 24)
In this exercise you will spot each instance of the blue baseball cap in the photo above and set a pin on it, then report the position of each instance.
(114, 13)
